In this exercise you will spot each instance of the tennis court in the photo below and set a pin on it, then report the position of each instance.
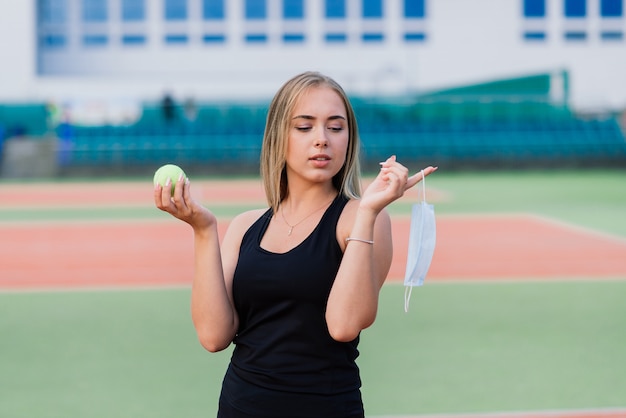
(522, 314)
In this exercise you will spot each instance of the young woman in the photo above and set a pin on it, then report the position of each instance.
(292, 286)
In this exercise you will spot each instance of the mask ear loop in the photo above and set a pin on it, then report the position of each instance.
(407, 297)
(423, 187)
(409, 289)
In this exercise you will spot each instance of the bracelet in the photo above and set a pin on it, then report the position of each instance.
(360, 240)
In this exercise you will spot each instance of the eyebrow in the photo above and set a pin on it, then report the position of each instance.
(309, 117)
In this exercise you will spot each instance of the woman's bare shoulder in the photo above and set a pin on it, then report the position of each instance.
(248, 217)
(352, 206)
(346, 221)
(244, 220)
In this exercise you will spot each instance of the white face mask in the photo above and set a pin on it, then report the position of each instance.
(422, 239)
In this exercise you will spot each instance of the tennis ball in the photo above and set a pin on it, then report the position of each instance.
(168, 171)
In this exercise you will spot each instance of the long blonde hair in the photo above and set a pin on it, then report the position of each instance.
(274, 149)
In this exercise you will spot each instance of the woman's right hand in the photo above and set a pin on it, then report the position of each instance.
(182, 206)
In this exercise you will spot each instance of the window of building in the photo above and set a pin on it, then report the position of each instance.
(293, 38)
(133, 10)
(255, 13)
(575, 29)
(535, 35)
(534, 8)
(214, 38)
(336, 37)
(94, 10)
(335, 9)
(214, 14)
(575, 8)
(372, 37)
(53, 41)
(372, 13)
(293, 21)
(52, 18)
(133, 39)
(611, 24)
(213, 10)
(52, 11)
(95, 40)
(414, 36)
(293, 9)
(415, 9)
(255, 9)
(175, 9)
(176, 39)
(256, 38)
(612, 35)
(611, 8)
(534, 13)
(575, 36)
(372, 9)
(414, 14)
(335, 14)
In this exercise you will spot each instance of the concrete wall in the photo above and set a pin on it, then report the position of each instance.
(23, 157)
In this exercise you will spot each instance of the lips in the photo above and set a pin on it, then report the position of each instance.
(320, 157)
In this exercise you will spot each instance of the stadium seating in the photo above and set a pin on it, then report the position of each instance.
(508, 123)
(452, 132)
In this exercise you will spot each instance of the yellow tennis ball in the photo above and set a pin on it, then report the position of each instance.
(168, 171)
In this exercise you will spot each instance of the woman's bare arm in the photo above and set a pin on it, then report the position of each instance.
(353, 301)
(212, 309)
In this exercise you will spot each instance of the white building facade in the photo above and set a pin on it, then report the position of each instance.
(116, 50)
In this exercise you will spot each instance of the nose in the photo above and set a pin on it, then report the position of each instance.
(321, 141)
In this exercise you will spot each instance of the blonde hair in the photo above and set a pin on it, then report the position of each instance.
(274, 149)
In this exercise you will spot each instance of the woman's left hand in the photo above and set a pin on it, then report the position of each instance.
(390, 184)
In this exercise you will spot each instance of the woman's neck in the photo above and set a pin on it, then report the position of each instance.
(304, 199)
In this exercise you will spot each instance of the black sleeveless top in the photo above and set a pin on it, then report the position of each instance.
(283, 342)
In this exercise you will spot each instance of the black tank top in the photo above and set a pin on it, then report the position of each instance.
(283, 341)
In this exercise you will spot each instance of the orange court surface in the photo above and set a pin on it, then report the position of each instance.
(118, 251)
(159, 250)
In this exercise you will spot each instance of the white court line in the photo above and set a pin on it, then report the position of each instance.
(565, 413)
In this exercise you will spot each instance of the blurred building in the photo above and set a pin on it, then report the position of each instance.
(103, 86)
(125, 50)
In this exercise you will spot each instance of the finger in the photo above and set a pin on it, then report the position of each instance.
(157, 195)
(166, 196)
(419, 176)
(389, 161)
(400, 172)
(185, 201)
(429, 170)
(162, 195)
(393, 177)
(186, 190)
(396, 185)
(392, 164)
(178, 191)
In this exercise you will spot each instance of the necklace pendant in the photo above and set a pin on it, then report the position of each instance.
(290, 229)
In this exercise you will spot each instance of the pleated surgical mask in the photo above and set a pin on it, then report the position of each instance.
(422, 239)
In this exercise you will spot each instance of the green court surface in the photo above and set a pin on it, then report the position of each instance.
(463, 347)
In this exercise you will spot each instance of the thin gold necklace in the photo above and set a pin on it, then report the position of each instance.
(291, 227)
